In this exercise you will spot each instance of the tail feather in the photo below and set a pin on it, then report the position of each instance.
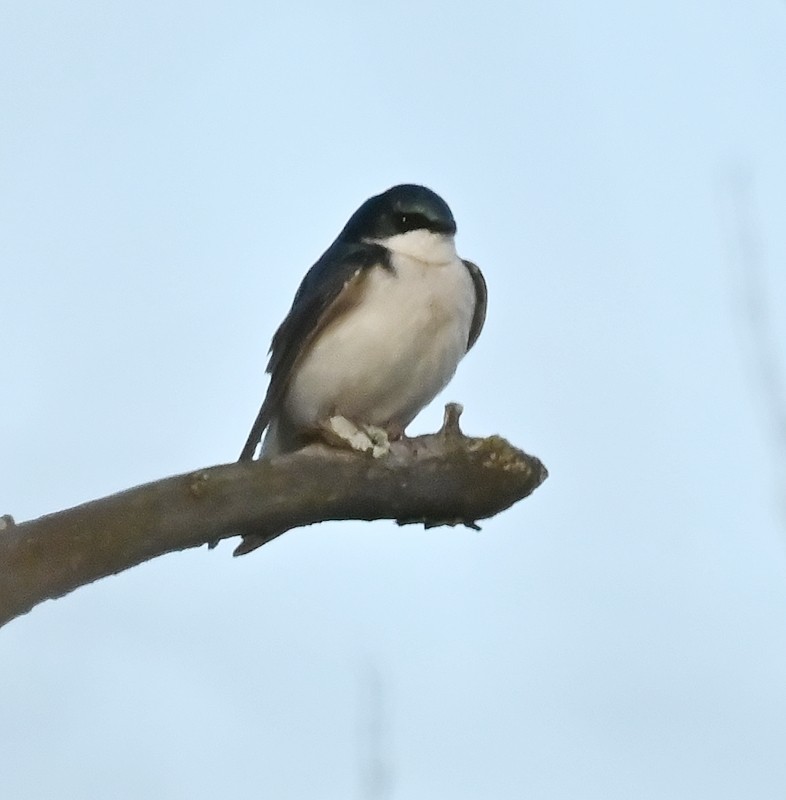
(254, 437)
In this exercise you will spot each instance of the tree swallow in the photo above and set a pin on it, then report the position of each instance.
(376, 330)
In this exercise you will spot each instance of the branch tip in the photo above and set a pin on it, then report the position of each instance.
(450, 422)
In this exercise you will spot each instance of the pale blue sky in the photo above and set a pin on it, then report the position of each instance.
(169, 170)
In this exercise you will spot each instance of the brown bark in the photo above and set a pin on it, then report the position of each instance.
(444, 478)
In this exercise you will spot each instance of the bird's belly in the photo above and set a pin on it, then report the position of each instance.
(392, 353)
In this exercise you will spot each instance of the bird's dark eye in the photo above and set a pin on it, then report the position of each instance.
(410, 222)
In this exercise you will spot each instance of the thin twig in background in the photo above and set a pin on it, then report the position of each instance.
(759, 333)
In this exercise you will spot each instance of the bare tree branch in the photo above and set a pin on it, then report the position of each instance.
(444, 478)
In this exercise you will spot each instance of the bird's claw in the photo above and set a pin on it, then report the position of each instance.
(340, 431)
(380, 443)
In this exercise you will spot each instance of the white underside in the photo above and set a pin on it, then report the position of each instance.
(388, 357)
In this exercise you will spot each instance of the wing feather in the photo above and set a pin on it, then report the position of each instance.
(331, 287)
(481, 300)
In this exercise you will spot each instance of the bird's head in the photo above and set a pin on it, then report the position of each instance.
(407, 219)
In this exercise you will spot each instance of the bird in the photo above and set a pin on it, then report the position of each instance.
(376, 330)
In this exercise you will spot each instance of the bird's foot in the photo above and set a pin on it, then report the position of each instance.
(379, 440)
(341, 432)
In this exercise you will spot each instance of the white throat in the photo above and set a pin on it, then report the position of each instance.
(422, 245)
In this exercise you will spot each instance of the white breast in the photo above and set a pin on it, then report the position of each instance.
(389, 356)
